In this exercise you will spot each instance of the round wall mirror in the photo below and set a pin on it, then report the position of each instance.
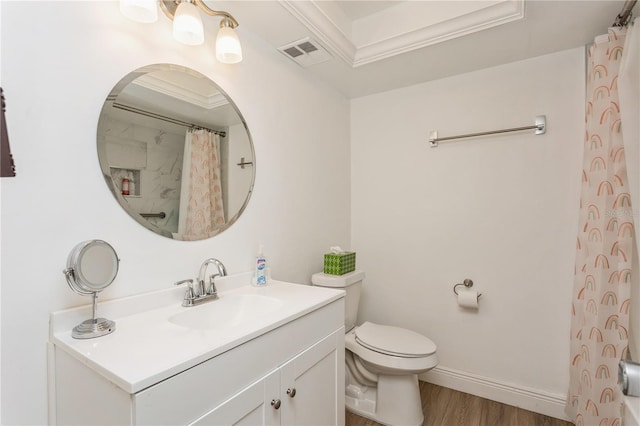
(175, 152)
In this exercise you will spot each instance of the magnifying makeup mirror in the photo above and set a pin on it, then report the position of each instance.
(91, 267)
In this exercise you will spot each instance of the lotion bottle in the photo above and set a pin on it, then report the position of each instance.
(261, 268)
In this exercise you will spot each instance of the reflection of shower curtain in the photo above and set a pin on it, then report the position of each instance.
(201, 207)
(601, 291)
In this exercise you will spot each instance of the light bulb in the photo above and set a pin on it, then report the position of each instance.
(187, 24)
(228, 48)
(145, 11)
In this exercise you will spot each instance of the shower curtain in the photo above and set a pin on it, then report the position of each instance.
(201, 207)
(629, 83)
(601, 289)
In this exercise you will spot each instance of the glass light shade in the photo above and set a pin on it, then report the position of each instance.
(145, 11)
(228, 49)
(187, 24)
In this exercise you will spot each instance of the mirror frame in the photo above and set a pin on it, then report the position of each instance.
(105, 167)
(77, 279)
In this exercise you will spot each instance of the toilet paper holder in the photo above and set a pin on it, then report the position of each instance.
(467, 283)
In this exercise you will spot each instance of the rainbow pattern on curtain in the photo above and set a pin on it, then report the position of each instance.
(205, 209)
(601, 295)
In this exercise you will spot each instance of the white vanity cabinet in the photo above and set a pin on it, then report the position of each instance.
(301, 392)
(290, 374)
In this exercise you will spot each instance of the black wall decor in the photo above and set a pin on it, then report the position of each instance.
(8, 168)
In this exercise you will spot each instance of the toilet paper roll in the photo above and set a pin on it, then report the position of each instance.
(468, 299)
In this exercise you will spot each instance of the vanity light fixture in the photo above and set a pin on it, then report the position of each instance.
(187, 23)
(228, 49)
(144, 11)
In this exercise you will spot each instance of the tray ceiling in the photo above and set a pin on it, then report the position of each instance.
(375, 46)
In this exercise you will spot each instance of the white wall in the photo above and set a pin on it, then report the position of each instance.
(501, 210)
(59, 62)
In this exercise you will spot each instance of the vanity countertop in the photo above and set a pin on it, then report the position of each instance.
(147, 348)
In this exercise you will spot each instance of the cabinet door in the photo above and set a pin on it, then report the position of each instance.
(312, 384)
(250, 407)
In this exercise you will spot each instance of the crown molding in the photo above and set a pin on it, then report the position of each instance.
(179, 91)
(470, 23)
(324, 28)
(327, 30)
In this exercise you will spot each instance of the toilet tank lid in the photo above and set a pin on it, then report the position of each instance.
(327, 280)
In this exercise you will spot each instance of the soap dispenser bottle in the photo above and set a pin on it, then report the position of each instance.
(261, 268)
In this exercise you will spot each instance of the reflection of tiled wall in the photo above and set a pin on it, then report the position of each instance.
(239, 180)
(160, 167)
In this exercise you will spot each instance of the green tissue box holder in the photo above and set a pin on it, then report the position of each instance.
(339, 263)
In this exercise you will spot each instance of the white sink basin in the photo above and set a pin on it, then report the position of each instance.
(229, 310)
(185, 337)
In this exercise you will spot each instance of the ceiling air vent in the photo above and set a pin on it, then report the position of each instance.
(305, 52)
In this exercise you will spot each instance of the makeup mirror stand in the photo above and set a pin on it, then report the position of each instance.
(78, 282)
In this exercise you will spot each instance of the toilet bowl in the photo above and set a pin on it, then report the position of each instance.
(382, 362)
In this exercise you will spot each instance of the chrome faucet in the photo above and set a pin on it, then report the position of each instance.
(201, 294)
(211, 289)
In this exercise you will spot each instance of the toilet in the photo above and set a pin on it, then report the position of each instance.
(382, 362)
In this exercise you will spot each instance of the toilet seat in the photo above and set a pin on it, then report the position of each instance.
(385, 363)
(395, 341)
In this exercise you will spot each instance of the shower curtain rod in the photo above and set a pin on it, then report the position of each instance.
(625, 14)
(135, 110)
(540, 127)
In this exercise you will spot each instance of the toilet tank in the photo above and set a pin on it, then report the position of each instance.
(351, 283)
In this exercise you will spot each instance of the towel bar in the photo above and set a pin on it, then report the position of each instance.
(540, 127)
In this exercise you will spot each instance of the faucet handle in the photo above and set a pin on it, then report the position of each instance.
(211, 289)
(189, 295)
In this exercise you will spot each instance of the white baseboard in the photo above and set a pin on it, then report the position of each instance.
(526, 398)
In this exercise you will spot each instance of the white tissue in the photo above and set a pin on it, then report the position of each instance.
(468, 299)
(336, 250)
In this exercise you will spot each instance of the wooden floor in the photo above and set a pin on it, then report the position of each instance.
(447, 407)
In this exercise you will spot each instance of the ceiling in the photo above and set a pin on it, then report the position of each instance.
(368, 46)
